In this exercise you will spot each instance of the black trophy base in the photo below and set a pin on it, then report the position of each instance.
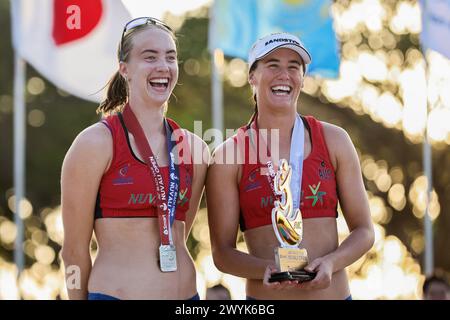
(300, 276)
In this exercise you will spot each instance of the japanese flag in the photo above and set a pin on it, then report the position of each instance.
(73, 43)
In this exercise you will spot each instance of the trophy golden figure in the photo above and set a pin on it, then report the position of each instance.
(288, 226)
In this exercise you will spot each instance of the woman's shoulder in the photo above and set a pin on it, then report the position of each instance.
(91, 150)
(194, 139)
(334, 133)
(94, 140)
(95, 135)
(338, 141)
(199, 151)
(228, 152)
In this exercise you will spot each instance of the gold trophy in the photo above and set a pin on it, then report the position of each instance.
(288, 226)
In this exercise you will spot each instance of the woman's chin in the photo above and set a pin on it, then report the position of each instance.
(157, 99)
(283, 106)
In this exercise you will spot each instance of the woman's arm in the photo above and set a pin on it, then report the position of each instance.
(355, 207)
(85, 162)
(200, 157)
(222, 194)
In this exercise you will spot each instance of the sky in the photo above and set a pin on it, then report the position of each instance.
(157, 8)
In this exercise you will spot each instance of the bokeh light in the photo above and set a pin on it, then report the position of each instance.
(36, 118)
(35, 86)
(418, 198)
(369, 31)
(26, 209)
(237, 72)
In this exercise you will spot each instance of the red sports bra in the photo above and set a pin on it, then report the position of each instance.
(127, 189)
(318, 196)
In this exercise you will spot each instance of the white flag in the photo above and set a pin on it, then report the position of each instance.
(73, 43)
(436, 26)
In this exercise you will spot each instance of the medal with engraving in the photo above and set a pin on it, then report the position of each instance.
(167, 258)
(165, 201)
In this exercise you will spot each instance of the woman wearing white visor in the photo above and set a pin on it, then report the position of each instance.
(325, 171)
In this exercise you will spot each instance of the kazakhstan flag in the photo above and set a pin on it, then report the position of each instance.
(233, 27)
(236, 24)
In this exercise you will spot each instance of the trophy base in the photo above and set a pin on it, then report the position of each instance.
(300, 276)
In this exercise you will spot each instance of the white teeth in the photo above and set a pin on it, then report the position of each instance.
(160, 80)
(282, 88)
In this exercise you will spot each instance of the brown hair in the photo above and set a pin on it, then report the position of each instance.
(255, 111)
(117, 92)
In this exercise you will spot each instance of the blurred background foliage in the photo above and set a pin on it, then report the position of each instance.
(381, 64)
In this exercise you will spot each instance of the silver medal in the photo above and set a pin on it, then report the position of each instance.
(167, 258)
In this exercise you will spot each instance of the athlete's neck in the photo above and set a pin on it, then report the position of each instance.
(283, 121)
(150, 117)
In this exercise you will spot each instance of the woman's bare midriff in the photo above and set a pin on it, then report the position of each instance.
(319, 238)
(127, 266)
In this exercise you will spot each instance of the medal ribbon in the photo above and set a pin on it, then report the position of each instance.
(165, 205)
(295, 159)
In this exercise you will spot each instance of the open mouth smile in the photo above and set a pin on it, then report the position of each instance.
(281, 90)
(160, 84)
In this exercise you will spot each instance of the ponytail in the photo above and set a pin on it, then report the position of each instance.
(255, 113)
(116, 96)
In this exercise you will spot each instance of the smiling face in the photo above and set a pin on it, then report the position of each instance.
(278, 79)
(151, 68)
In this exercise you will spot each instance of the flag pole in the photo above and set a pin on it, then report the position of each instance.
(427, 168)
(217, 61)
(19, 137)
(217, 89)
(427, 163)
(19, 156)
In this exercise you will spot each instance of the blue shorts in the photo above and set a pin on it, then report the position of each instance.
(101, 296)
(251, 298)
(195, 297)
